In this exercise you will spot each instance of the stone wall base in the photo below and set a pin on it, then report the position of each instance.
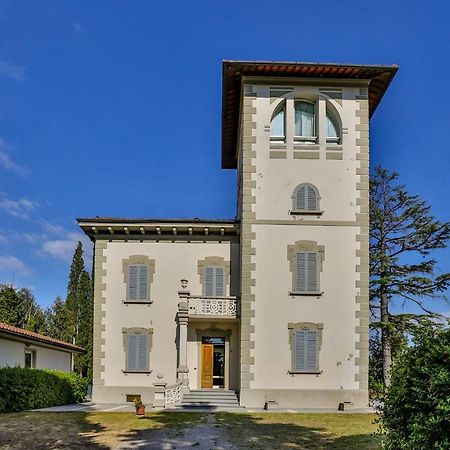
(302, 398)
(118, 394)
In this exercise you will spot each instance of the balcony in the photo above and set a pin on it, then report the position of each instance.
(213, 307)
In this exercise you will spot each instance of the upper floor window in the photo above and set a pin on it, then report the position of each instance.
(306, 273)
(305, 121)
(138, 282)
(138, 273)
(333, 133)
(214, 285)
(277, 125)
(305, 199)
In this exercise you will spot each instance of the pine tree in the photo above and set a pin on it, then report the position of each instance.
(403, 233)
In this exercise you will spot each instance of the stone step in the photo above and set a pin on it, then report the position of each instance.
(210, 399)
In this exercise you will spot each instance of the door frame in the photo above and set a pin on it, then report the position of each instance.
(213, 332)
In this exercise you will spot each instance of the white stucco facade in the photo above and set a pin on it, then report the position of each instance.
(255, 324)
(12, 354)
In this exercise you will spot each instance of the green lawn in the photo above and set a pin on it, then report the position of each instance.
(246, 431)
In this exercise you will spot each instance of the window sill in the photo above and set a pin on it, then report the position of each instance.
(305, 213)
(278, 139)
(148, 372)
(135, 302)
(305, 294)
(305, 372)
(306, 139)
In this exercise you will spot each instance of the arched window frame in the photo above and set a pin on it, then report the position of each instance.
(296, 211)
(282, 137)
(313, 137)
(335, 119)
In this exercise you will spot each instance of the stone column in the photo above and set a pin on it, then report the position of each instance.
(183, 319)
(160, 393)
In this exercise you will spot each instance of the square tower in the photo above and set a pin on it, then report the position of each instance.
(298, 134)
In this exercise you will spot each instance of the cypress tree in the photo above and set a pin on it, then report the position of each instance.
(72, 299)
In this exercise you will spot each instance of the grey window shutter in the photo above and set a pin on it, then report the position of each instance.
(143, 283)
(311, 199)
(133, 282)
(311, 350)
(132, 352)
(299, 351)
(137, 352)
(301, 198)
(142, 353)
(311, 272)
(220, 288)
(300, 272)
(209, 281)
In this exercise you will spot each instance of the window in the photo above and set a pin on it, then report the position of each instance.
(137, 343)
(306, 263)
(214, 285)
(30, 359)
(306, 272)
(333, 134)
(305, 198)
(305, 340)
(305, 121)
(277, 132)
(138, 273)
(138, 282)
(214, 273)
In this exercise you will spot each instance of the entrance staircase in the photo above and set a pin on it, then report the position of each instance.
(210, 399)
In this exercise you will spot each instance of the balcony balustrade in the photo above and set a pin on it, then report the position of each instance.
(219, 307)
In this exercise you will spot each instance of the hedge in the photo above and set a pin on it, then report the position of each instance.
(416, 410)
(22, 388)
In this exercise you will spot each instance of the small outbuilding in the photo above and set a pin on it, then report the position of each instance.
(19, 347)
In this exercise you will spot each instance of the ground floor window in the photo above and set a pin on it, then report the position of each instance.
(30, 359)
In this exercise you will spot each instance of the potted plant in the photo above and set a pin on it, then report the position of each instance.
(140, 408)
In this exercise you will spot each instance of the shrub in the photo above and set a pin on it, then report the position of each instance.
(22, 388)
(416, 410)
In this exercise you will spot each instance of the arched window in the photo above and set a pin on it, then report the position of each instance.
(305, 120)
(305, 198)
(277, 132)
(333, 132)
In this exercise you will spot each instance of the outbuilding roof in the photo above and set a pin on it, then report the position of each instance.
(20, 333)
(379, 78)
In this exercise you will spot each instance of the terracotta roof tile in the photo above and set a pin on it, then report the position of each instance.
(9, 329)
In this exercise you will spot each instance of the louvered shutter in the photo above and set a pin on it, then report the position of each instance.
(209, 281)
(300, 272)
(220, 278)
(311, 272)
(137, 352)
(311, 350)
(311, 199)
(143, 283)
(301, 198)
(299, 350)
(132, 352)
(133, 282)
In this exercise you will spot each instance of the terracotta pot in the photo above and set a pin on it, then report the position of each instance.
(140, 410)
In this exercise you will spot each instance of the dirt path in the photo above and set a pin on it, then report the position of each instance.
(207, 435)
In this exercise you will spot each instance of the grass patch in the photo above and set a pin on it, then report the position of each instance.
(79, 430)
(302, 431)
(97, 430)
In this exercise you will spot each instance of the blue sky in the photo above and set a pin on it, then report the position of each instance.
(112, 108)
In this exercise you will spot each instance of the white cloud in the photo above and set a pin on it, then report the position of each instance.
(7, 163)
(13, 264)
(63, 248)
(18, 208)
(13, 71)
(79, 29)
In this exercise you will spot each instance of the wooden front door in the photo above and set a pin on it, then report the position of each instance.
(207, 365)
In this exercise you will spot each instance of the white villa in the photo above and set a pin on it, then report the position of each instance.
(271, 307)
